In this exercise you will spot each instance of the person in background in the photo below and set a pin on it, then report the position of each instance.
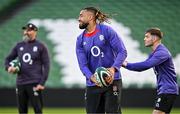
(34, 59)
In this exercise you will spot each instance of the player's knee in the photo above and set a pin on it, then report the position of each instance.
(158, 112)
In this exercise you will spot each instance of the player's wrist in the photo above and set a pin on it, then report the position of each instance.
(92, 78)
(125, 63)
(113, 69)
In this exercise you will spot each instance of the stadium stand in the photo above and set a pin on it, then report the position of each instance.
(137, 15)
(4, 4)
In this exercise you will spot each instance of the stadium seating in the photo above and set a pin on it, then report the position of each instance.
(136, 14)
(4, 4)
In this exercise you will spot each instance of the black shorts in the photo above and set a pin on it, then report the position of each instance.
(101, 100)
(164, 102)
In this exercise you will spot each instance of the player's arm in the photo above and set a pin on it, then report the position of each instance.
(118, 48)
(12, 55)
(82, 59)
(158, 58)
(45, 67)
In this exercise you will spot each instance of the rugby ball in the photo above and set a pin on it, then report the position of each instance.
(15, 63)
(101, 73)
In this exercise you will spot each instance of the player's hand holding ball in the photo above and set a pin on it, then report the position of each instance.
(93, 79)
(14, 66)
(110, 78)
(11, 69)
(103, 77)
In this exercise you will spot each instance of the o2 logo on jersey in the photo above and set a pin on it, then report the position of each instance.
(95, 51)
(27, 58)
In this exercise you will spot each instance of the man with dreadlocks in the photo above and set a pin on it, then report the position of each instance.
(100, 46)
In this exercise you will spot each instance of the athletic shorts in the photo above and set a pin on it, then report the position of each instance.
(104, 100)
(164, 102)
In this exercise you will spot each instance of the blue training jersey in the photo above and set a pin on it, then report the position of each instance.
(161, 61)
(102, 48)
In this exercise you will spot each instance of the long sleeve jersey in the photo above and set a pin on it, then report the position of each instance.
(102, 48)
(34, 59)
(161, 61)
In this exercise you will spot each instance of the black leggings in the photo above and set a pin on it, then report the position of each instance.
(26, 93)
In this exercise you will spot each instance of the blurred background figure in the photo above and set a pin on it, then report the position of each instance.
(34, 68)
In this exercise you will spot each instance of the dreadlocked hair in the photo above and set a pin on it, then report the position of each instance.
(100, 16)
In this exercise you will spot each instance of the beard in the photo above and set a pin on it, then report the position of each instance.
(83, 25)
(26, 38)
(148, 45)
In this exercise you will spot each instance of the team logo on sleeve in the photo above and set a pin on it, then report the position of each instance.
(101, 37)
(35, 48)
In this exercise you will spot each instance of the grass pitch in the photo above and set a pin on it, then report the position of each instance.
(13, 110)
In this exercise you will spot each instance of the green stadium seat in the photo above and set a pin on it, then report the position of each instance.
(137, 15)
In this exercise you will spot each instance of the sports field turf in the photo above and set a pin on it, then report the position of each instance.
(82, 111)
